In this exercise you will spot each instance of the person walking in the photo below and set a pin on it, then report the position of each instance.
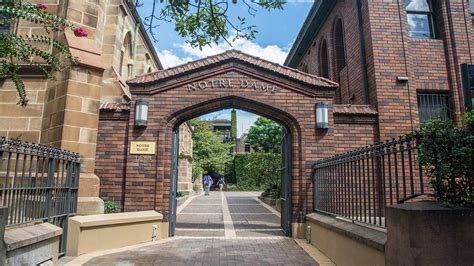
(221, 183)
(207, 180)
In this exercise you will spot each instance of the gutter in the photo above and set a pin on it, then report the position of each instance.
(143, 32)
(317, 15)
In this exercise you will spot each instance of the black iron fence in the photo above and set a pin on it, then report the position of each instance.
(38, 183)
(360, 184)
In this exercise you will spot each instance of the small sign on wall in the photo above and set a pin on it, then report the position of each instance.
(143, 147)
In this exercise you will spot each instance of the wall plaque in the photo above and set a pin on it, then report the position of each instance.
(143, 147)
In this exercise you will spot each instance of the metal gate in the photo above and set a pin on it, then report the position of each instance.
(174, 181)
(285, 196)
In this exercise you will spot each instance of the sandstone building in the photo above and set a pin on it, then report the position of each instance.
(65, 112)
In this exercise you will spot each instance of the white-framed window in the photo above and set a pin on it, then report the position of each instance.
(420, 18)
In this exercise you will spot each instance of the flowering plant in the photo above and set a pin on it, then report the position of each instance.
(34, 50)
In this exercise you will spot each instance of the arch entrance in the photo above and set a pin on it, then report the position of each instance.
(229, 80)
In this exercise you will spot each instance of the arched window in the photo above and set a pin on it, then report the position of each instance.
(339, 46)
(420, 18)
(323, 60)
(126, 57)
(148, 68)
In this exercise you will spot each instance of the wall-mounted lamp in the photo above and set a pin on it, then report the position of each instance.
(141, 113)
(322, 118)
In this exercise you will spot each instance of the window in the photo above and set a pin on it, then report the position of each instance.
(126, 57)
(339, 46)
(420, 18)
(247, 147)
(467, 72)
(4, 24)
(471, 6)
(323, 60)
(432, 105)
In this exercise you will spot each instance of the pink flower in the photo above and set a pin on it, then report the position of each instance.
(41, 6)
(80, 32)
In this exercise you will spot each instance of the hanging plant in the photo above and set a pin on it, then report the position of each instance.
(18, 50)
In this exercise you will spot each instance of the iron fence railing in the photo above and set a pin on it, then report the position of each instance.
(360, 184)
(38, 183)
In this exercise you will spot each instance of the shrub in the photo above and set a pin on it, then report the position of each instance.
(257, 171)
(446, 151)
(110, 206)
(180, 194)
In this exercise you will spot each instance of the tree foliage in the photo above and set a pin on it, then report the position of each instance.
(210, 155)
(18, 50)
(265, 136)
(257, 171)
(447, 151)
(204, 22)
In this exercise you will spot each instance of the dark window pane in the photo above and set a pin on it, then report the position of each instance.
(4, 24)
(340, 49)
(432, 106)
(419, 25)
(323, 62)
(417, 5)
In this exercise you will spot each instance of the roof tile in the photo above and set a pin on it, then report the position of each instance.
(238, 56)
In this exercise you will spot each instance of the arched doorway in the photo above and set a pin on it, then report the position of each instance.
(229, 80)
(290, 128)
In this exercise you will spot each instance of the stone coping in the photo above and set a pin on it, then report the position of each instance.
(116, 218)
(368, 236)
(16, 238)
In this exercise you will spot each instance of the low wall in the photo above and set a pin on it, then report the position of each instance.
(346, 243)
(106, 231)
(426, 233)
(32, 245)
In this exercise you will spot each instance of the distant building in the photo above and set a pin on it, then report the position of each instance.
(241, 145)
(222, 128)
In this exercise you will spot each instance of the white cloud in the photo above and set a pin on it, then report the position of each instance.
(273, 53)
(169, 59)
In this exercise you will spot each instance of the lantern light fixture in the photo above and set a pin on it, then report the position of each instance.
(141, 113)
(322, 117)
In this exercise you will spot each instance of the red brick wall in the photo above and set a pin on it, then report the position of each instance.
(147, 186)
(349, 136)
(350, 80)
(112, 154)
(431, 65)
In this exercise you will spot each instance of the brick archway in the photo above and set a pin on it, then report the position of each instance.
(231, 79)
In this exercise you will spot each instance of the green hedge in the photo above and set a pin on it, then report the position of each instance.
(256, 171)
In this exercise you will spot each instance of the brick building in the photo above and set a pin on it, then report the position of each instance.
(395, 65)
(402, 58)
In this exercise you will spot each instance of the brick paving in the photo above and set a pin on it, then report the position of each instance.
(202, 237)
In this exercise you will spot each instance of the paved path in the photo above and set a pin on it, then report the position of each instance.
(225, 228)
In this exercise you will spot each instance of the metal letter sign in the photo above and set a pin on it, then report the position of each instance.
(228, 83)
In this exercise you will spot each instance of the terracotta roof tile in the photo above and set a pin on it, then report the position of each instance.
(235, 56)
(354, 109)
(114, 106)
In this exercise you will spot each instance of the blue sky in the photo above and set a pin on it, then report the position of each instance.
(277, 31)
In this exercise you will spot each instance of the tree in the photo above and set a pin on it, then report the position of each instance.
(204, 22)
(233, 121)
(17, 50)
(201, 22)
(265, 136)
(210, 155)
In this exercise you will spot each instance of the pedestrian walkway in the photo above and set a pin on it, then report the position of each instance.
(225, 228)
(229, 215)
